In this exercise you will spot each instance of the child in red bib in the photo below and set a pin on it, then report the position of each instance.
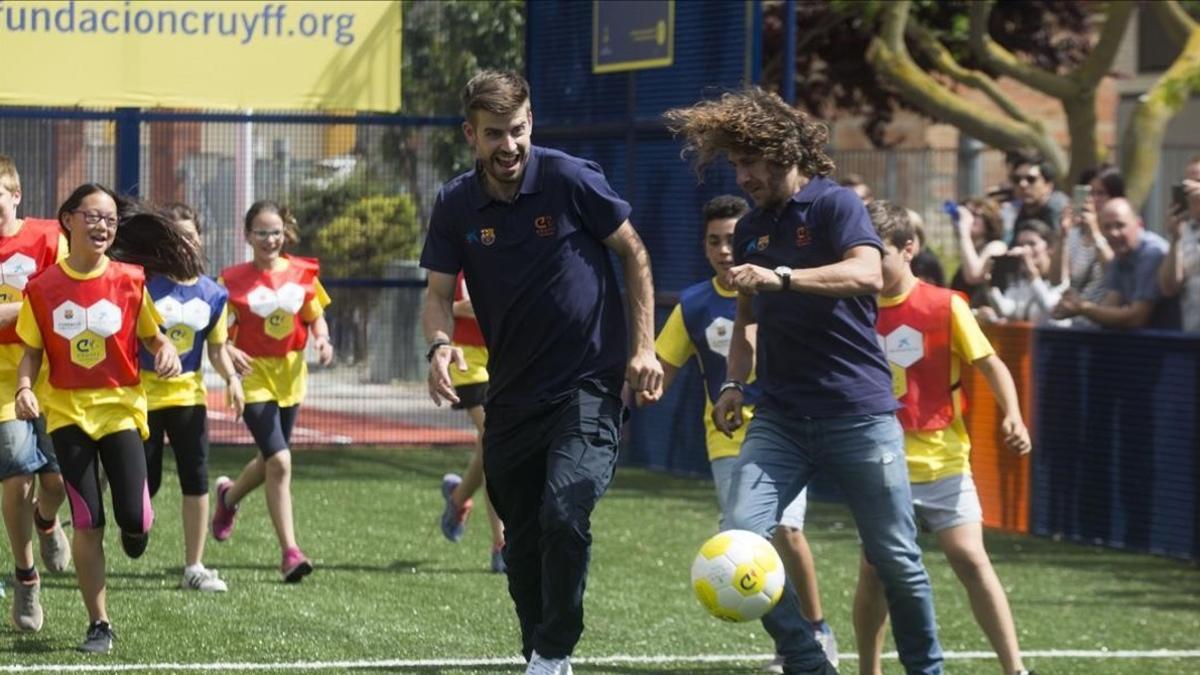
(275, 301)
(928, 333)
(87, 315)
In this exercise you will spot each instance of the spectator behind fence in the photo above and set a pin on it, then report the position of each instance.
(925, 264)
(1084, 253)
(1034, 194)
(980, 235)
(1132, 298)
(1179, 274)
(1019, 288)
(856, 183)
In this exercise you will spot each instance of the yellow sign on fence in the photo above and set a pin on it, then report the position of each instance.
(235, 54)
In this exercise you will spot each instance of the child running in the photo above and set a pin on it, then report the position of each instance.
(276, 301)
(470, 382)
(27, 246)
(194, 314)
(87, 315)
(929, 333)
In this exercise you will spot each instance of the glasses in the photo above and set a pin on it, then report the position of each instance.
(92, 218)
(1026, 178)
(266, 234)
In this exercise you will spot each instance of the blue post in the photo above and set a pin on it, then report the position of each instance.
(754, 52)
(128, 150)
(789, 52)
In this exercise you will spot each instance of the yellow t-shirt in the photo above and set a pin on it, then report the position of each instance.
(10, 358)
(186, 389)
(283, 379)
(933, 455)
(476, 372)
(674, 346)
(100, 411)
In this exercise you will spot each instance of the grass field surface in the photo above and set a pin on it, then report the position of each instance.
(391, 595)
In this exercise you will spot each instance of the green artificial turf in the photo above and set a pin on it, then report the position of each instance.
(387, 586)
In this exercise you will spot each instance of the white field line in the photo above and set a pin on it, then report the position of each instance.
(618, 659)
(332, 439)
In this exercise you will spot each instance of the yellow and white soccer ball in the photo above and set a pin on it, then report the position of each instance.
(737, 576)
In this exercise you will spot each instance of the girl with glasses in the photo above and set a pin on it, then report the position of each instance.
(276, 301)
(87, 315)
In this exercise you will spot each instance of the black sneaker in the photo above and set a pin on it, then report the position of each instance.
(134, 543)
(99, 638)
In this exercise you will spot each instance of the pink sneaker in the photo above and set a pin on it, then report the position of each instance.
(295, 566)
(222, 520)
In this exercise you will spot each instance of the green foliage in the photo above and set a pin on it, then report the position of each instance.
(368, 234)
(445, 44)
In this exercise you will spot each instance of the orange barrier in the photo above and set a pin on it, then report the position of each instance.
(1001, 476)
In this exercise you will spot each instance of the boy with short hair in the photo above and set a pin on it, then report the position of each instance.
(928, 333)
(27, 246)
(701, 325)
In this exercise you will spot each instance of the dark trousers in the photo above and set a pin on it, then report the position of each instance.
(124, 461)
(546, 468)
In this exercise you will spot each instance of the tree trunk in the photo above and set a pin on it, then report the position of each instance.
(1142, 144)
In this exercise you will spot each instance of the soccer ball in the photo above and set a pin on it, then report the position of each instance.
(737, 576)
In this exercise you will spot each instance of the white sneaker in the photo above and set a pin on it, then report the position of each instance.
(200, 578)
(540, 665)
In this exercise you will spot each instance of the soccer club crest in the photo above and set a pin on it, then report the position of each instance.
(487, 236)
(762, 242)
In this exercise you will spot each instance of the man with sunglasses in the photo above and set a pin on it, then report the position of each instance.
(1034, 194)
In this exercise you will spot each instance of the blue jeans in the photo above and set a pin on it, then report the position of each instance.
(865, 455)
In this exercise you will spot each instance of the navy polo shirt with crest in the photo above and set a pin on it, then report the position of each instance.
(540, 277)
(817, 356)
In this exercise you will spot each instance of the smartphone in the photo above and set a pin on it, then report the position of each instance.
(1004, 270)
(1080, 196)
(1179, 197)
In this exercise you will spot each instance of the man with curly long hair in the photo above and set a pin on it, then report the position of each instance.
(807, 265)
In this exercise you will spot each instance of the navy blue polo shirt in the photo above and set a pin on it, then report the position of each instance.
(817, 356)
(540, 277)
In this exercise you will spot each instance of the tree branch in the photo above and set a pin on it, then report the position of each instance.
(889, 56)
(1178, 24)
(944, 61)
(1099, 61)
(1005, 62)
(1143, 140)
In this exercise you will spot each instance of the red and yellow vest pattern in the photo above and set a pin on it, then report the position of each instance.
(466, 330)
(89, 327)
(268, 303)
(915, 336)
(32, 249)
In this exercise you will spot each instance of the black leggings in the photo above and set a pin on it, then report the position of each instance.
(186, 427)
(270, 425)
(124, 461)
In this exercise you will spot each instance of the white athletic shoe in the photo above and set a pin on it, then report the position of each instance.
(540, 665)
(200, 578)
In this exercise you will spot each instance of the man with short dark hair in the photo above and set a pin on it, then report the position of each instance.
(807, 268)
(531, 229)
(1034, 192)
(1132, 297)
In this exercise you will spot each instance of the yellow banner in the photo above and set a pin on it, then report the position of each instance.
(234, 54)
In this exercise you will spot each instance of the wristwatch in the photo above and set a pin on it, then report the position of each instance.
(785, 276)
(434, 346)
(731, 384)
